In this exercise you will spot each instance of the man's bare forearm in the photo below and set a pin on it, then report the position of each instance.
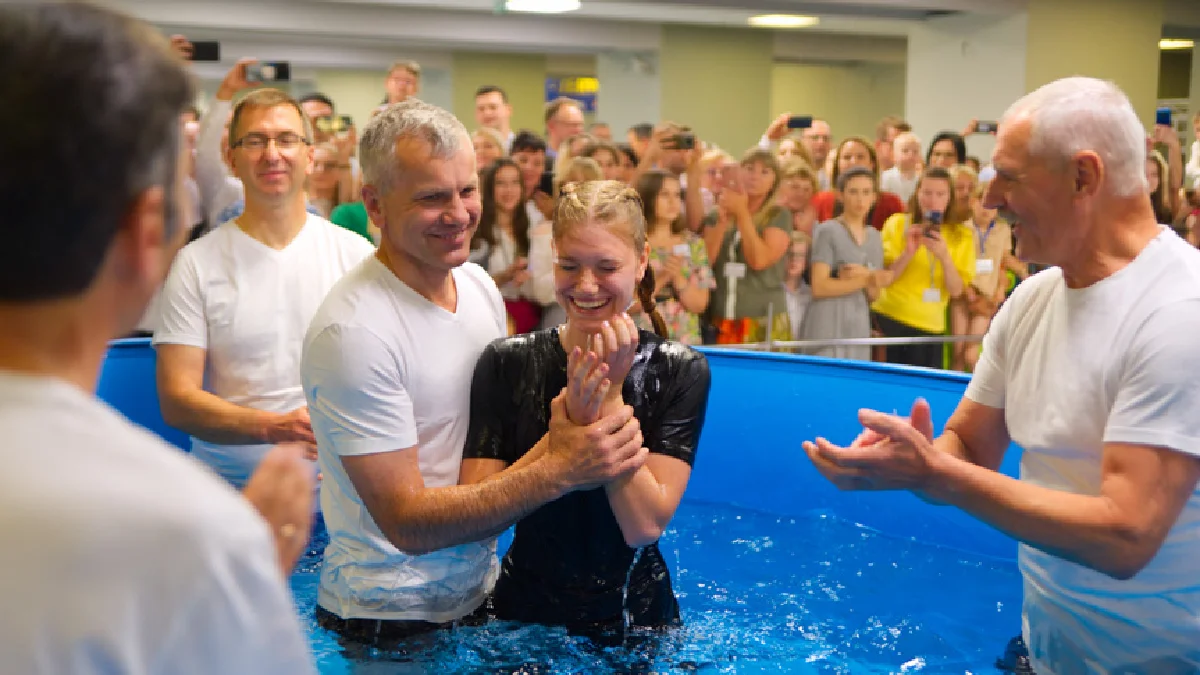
(215, 420)
(1083, 529)
(437, 518)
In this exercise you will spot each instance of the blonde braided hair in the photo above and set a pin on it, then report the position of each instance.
(607, 202)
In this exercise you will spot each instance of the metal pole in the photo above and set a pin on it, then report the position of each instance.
(770, 324)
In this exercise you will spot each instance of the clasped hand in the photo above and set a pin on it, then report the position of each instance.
(591, 375)
(892, 453)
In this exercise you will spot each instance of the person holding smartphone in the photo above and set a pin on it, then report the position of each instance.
(931, 261)
(682, 275)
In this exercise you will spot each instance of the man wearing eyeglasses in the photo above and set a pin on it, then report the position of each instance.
(238, 301)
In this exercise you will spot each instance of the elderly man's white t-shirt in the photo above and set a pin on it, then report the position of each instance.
(1073, 369)
(121, 554)
(385, 369)
(249, 305)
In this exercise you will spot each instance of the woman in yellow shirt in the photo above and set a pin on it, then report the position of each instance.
(931, 262)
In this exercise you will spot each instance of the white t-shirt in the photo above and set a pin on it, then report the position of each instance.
(891, 180)
(123, 555)
(385, 369)
(248, 305)
(540, 286)
(1073, 369)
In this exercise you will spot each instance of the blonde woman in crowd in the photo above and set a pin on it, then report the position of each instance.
(711, 163)
(748, 238)
(798, 185)
(489, 146)
(986, 292)
(966, 183)
(323, 182)
(683, 276)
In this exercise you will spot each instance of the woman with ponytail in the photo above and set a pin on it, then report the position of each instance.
(589, 559)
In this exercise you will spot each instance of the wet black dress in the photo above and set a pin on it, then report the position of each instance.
(568, 564)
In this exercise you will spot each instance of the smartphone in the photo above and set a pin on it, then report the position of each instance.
(1162, 116)
(986, 127)
(933, 223)
(546, 184)
(682, 250)
(800, 122)
(684, 141)
(269, 71)
(206, 50)
(328, 124)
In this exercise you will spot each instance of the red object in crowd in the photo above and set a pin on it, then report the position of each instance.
(886, 205)
(525, 315)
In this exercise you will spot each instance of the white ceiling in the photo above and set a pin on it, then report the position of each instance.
(372, 33)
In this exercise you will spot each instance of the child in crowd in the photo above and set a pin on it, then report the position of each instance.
(799, 293)
(901, 179)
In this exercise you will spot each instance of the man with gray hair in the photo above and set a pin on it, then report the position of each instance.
(1091, 368)
(387, 369)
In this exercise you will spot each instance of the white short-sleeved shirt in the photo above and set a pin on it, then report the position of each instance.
(123, 555)
(249, 305)
(1073, 369)
(891, 180)
(385, 369)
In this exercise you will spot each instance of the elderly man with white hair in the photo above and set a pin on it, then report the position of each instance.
(1091, 368)
(387, 369)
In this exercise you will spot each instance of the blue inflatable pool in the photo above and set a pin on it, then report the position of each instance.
(776, 570)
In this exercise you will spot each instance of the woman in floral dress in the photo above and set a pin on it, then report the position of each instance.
(683, 277)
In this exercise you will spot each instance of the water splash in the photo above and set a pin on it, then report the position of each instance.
(637, 555)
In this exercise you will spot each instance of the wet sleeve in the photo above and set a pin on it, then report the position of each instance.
(490, 434)
(678, 433)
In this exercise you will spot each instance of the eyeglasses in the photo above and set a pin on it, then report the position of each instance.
(255, 142)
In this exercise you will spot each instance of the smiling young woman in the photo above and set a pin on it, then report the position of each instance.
(590, 539)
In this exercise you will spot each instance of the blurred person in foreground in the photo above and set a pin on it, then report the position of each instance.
(122, 553)
(1090, 367)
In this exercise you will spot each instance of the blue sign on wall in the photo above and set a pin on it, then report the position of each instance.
(582, 89)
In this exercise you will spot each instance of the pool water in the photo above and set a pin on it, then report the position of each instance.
(759, 594)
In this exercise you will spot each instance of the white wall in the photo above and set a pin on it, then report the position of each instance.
(358, 92)
(852, 98)
(964, 68)
(630, 91)
(1194, 95)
